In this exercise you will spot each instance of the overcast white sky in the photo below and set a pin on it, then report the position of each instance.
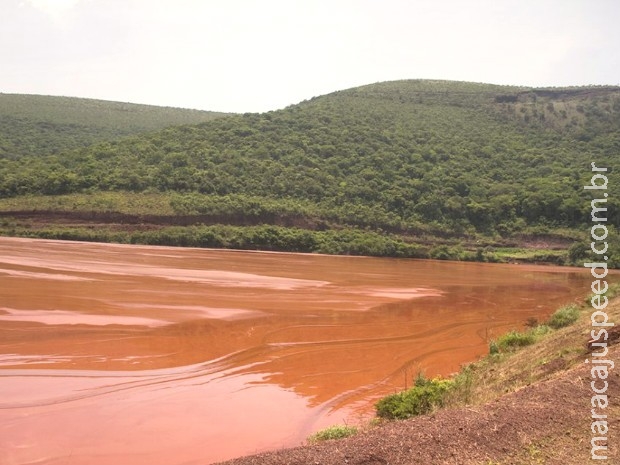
(260, 55)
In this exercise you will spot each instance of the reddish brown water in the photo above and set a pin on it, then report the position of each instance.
(153, 355)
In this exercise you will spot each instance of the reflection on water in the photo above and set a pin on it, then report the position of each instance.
(145, 355)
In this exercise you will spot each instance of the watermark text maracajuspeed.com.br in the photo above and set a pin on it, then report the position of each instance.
(600, 365)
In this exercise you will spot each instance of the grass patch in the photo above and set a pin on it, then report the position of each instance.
(564, 316)
(612, 291)
(525, 255)
(512, 340)
(333, 432)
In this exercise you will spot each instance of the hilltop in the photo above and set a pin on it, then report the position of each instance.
(43, 125)
(416, 168)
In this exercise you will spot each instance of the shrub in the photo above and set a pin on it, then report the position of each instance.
(333, 432)
(565, 316)
(512, 340)
(444, 252)
(426, 395)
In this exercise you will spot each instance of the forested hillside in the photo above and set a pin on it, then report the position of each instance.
(441, 169)
(43, 125)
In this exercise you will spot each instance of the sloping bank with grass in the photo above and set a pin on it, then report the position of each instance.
(427, 395)
(526, 402)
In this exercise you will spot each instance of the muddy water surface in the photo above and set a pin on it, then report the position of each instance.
(152, 355)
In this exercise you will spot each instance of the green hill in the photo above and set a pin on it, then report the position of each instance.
(439, 168)
(41, 125)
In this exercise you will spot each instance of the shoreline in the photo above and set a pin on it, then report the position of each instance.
(347, 241)
(539, 421)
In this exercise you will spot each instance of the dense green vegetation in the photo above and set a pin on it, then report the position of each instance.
(427, 162)
(263, 237)
(42, 125)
